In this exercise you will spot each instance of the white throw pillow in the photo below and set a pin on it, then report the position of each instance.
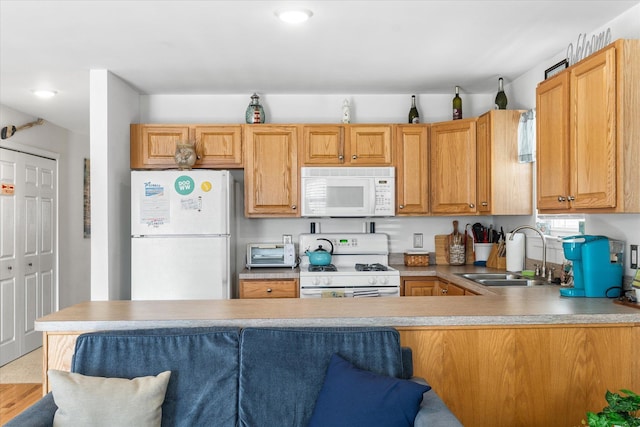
(113, 402)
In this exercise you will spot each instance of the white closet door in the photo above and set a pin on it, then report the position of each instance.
(29, 223)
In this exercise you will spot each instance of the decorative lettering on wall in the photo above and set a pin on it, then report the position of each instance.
(585, 47)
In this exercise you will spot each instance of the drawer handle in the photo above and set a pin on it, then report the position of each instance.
(269, 290)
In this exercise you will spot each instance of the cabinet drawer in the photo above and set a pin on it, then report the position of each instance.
(268, 289)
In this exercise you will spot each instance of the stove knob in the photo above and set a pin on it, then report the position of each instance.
(315, 281)
(326, 280)
(372, 280)
(384, 280)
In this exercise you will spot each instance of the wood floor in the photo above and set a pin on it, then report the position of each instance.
(15, 398)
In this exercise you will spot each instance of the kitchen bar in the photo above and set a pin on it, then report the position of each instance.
(530, 347)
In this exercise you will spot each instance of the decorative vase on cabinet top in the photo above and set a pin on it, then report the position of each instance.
(255, 112)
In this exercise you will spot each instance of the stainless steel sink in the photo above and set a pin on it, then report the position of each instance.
(502, 279)
(491, 276)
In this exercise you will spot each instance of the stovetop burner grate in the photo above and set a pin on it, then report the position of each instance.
(371, 267)
(329, 267)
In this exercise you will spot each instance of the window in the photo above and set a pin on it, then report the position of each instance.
(560, 225)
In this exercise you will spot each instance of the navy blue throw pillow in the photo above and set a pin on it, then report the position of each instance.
(353, 397)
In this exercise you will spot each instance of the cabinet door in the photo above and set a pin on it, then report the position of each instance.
(412, 169)
(322, 145)
(369, 145)
(154, 146)
(504, 185)
(271, 171)
(269, 288)
(453, 167)
(420, 287)
(552, 149)
(219, 146)
(593, 131)
(483, 152)
(449, 289)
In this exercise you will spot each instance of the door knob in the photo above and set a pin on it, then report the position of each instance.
(561, 199)
(571, 198)
(341, 157)
(354, 157)
(293, 207)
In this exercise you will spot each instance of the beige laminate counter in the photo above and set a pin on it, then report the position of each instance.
(493, 306)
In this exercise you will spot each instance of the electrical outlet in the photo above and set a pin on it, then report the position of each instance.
(634, 256)
(417, 240)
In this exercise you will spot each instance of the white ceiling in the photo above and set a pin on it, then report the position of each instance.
(238, 47)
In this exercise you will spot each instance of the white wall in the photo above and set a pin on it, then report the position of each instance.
(114, 105)
(69, 149)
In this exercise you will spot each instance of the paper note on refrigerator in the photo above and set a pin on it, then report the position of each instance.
(154, 206)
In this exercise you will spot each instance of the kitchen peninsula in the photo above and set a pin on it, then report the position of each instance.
(504, 357)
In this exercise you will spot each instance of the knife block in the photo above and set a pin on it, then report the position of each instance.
(495, 261)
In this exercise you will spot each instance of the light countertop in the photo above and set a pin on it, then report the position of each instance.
(493, 306)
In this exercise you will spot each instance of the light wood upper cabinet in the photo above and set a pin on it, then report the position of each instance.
(154, 146)
(412, 169)
(271, 171)
(453, 167)
(552, 145)
(369, 145)
(218, 146)
(504, 185)
(322, 145)
(600, 173)
(346, 145)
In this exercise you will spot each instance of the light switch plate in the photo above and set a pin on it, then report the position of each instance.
(417, 240)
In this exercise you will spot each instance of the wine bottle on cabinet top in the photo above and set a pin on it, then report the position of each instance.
(457, 105)
(501, 97)
(414, 117)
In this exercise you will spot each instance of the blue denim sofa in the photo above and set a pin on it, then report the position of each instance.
(250, 377)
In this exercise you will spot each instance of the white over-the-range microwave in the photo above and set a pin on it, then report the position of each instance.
(348, 191)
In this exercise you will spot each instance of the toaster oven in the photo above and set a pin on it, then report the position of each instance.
(271, 255)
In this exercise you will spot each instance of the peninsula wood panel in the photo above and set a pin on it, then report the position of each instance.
(525, 376)
(58, 349)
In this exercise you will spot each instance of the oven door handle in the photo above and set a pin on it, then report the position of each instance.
(349, 292)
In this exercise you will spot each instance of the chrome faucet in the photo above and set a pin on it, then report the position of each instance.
(544, 246)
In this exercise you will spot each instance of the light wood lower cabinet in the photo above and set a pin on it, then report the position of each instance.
(424, 286)
(277, 288)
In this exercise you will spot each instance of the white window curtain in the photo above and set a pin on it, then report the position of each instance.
(527, 137)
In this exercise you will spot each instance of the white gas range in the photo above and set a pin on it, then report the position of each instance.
(359, 266)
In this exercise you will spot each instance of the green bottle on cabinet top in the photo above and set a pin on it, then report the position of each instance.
(414, 117)
(457, 105)
(501, 98)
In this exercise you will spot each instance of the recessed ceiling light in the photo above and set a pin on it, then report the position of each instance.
(294, 16)
(44, 93)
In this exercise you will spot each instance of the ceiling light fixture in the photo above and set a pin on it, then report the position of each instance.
(294, 16)
(44, 93)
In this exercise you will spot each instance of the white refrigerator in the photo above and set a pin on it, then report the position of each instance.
(181, 242)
